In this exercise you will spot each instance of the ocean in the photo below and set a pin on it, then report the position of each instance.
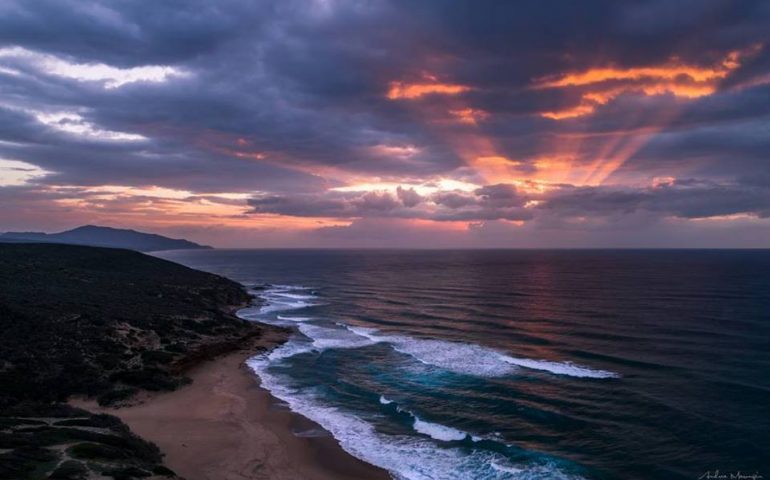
(521, 364)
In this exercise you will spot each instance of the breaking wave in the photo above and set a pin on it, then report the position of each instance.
(473, 359)
(434, 451)
(405, 457)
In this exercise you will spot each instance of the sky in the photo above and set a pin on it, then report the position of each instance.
(390, 123)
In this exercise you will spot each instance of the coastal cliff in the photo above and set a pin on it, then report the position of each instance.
(106, 324)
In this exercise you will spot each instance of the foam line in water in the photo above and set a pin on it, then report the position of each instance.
(278, 306)
(295, 296)
(277, 286)
(324, 337)
(385, 401)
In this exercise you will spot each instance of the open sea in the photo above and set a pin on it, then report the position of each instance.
(521, 364)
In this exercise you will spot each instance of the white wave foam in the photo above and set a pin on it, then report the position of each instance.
(295, 296)
(324, 337)
(248, 313)
(370, 333)
(559, 368)
(288, 349)
(294, 319)
(254, 314)
(280, 298)
(433, 430)
(407, 458)
(456, 357)
(278, 287)
(507, 469)
(438, 431)
(471, 359)
(279, 306)
(453, 356)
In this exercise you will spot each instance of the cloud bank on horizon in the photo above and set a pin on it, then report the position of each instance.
(390, 123)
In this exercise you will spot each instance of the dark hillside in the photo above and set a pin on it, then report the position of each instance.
(104, 323)
(85, 320)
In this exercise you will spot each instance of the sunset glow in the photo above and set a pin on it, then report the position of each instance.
(448, 239)
(440, 118)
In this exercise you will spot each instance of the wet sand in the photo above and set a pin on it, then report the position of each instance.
(224, 426)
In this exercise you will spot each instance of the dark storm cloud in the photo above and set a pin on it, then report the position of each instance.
(288, 99)
(313, 100)
(128, 33)
(94, 161)
(490, 202)
(689, 198)
(331, 204)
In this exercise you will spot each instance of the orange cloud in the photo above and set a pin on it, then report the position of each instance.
(154, 206)
(410, 91)
(669, 72)
(673, 77)
(469, 115)
(579, 111)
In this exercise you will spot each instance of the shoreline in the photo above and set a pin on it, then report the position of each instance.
(225, 426)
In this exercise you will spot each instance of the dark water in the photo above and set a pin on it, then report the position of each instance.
(523, 364)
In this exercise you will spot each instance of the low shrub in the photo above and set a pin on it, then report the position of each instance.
(97, 451)
(116, 395)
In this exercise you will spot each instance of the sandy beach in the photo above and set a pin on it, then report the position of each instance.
(224, 426)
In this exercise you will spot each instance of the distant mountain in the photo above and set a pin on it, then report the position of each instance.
(103, 237)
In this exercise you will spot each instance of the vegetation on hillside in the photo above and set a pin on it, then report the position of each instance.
(103, 323)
